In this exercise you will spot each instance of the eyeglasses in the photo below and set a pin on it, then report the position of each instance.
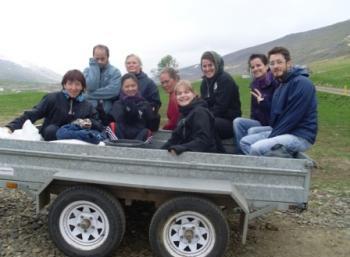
(164, 82)
(277, 62)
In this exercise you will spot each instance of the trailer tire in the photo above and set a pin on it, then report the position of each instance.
(189, 226)
(86, 221)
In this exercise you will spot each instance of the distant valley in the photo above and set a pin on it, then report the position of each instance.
(15, 77)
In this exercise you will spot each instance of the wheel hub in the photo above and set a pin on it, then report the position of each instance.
(188, 234)
(84, 224)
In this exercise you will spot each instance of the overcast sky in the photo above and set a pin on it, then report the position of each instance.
(60, 34)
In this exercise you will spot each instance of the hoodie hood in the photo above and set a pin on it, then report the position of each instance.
(216, 59)
(294, 72)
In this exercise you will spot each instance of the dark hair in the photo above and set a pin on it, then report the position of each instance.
(262, 58)
(280, 50)
(101, 47)
(74, 75)
(174, 74)
(215, 58)
(129, 76)
(208, 56)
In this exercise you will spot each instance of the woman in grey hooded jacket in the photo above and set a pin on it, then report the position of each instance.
(220, 92)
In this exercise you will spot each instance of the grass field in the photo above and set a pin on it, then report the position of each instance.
(331, 151)
(13, 104)
(332, 73)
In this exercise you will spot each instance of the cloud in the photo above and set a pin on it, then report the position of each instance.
(60, 34)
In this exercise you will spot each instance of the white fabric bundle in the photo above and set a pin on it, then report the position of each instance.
(75, 142)
(28, 132)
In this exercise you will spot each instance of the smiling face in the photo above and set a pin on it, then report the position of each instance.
(208, 68)
(168, 83)
(133, 65)
(258, 68)
(184, 95)
(130, 87)
(278, 65)
(73, 88)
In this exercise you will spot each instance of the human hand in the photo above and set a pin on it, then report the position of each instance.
(83, 123)
(257, 94)
(172, 151)
(92, 61)
(86, 123)
(131, 109)
(7, 130)
(100, 109)
(176, 149)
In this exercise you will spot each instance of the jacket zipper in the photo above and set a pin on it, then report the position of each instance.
(71, 107)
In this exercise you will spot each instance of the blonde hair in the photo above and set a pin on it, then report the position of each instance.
(184, 83)
(136, 57)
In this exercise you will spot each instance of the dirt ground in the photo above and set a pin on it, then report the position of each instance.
(292, 239)
(321, 231)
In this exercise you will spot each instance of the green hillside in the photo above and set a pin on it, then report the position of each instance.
(331, 72)
(307, 47)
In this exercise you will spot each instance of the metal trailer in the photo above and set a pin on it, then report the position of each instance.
(93, 183)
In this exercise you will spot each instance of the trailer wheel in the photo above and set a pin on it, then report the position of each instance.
(86, 221)
(189, 226)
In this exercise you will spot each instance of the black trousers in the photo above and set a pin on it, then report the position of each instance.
(49, 133)
(224, 128)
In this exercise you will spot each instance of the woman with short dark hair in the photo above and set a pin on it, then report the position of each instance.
(132, 116)
(262, 87)
(61, 108)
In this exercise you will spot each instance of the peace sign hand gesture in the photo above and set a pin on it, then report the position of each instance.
(257, 94)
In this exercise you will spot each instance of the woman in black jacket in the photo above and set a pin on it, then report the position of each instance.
(220, 92)
(195, 129)
(61, 108)
(132, 114)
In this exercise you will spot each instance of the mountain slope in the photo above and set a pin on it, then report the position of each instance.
(10, 71)
(305, 47)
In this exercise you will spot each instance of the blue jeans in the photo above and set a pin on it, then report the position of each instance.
(243, 127)
(72, 131)
(259, 144)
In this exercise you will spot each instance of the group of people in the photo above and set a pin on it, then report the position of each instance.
(283, 109)
(100, 103)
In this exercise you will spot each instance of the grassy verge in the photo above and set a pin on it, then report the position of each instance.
(332, 73)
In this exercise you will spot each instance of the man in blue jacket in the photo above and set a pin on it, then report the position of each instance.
(293, 110)
(102, 79)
